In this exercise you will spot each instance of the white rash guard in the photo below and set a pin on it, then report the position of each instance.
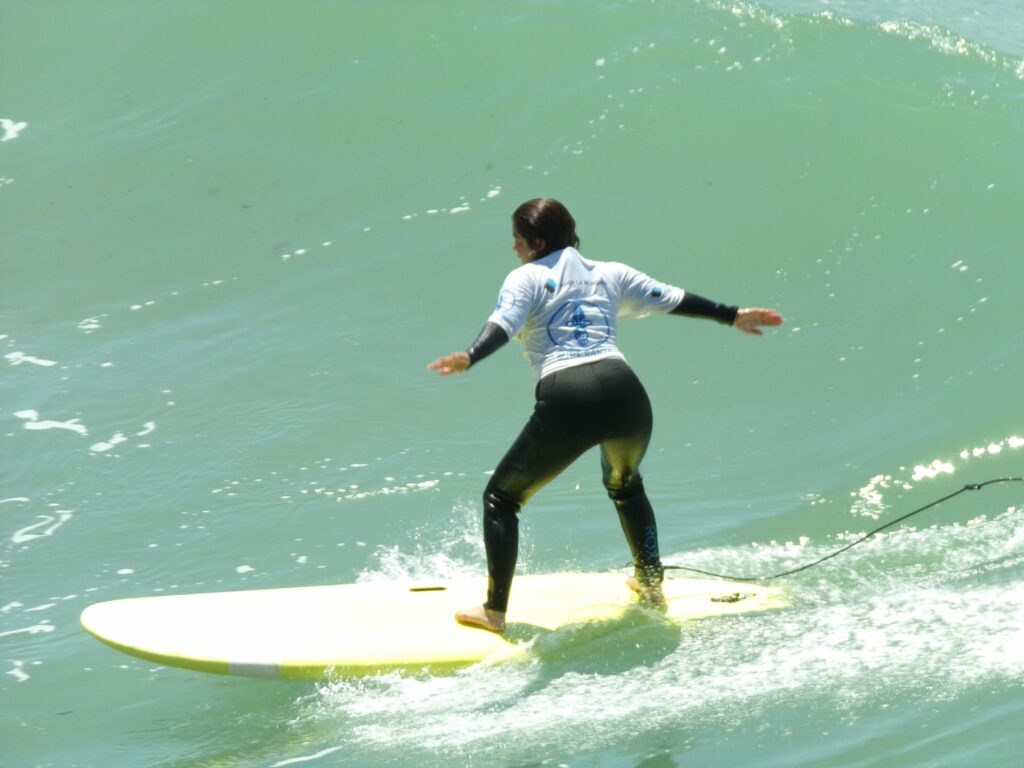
(563, 308)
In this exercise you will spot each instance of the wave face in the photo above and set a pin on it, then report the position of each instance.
(235, 233)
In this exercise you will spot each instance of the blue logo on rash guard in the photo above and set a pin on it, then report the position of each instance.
(657, 291)
(506, 300)
(550, 285)
(579, 325)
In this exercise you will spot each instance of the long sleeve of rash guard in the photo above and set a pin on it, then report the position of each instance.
(693, 305)
(492, 337)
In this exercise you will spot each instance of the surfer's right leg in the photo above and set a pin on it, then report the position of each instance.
(628, 433)
(482, 617)
(501, 542)
(546, 446)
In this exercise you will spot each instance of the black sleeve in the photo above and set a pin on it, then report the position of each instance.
(492, 337)
(693, 305)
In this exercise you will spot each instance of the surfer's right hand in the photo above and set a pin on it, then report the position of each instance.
(456, 362)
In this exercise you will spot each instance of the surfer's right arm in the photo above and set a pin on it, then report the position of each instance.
(517, 296)
(492, 337)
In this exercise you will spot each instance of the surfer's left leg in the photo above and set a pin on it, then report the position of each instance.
(648, 594)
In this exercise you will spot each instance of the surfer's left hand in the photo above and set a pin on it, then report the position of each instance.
(749, 320)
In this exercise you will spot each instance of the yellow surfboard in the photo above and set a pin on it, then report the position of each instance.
(350, 630)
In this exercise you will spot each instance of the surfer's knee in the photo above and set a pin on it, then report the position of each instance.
(623, 485)
(500, 505)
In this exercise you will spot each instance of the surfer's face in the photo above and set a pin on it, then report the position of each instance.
(521, 247)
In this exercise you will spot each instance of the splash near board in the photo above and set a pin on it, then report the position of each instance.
(351, 630)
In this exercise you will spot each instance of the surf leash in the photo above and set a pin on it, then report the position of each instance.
(851, 545)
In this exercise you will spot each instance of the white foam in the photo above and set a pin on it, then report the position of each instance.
(20, 358)
(354, 491)
(929, 643)
(870, 499)
(456, 550)
(18, 671)
(45, 525)
(936, 611)
(38, 608)
(32, 421)
(90, 324)
(12, 128)
(119, 437)
(993, 448)
(104, 446)
(36, 629)
(936, 468)
(307, 758)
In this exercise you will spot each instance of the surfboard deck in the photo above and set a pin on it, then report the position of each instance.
(349, 630)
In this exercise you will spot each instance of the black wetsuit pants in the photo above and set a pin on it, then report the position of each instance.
(601, 403)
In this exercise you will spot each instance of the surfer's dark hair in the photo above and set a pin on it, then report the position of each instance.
(544, 218)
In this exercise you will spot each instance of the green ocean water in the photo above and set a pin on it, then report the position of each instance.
(233, 234)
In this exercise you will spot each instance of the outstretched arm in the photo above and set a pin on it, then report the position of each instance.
(693, 305)
(491, 338)
(747, 320)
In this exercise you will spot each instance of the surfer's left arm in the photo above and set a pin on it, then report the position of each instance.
(747, 320)
(492, 337)
(751, 319)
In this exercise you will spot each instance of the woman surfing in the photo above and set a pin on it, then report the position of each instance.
(563, 309)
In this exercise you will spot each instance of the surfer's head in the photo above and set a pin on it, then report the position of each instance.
(542, 226)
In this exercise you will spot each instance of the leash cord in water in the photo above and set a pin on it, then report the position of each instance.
(865, 537)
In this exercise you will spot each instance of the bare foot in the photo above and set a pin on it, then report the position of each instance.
(482, 618)
(650, 594)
